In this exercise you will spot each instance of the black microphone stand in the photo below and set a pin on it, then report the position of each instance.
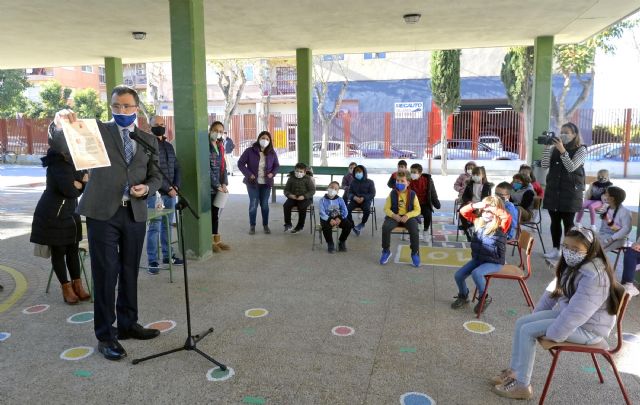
(192, 340)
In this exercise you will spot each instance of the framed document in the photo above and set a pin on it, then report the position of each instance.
(85, 144)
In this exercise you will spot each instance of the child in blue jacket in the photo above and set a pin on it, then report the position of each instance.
(333, 213)
(487, 247)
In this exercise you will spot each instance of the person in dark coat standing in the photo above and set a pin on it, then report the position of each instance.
(229, 146)
(218, 179)
(55, 222)
(565, 183)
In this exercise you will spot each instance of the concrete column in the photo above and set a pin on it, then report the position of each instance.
(191, 122)
(543, 70)
(113, 75)
(304, 95)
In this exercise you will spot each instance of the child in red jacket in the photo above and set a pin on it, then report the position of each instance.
(422, 184)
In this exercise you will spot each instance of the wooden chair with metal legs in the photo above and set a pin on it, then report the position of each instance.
(456, 207)
(536, 223)
(372, 214)
(516, 241)
(601, 348)
(312, 215)
(511, 272)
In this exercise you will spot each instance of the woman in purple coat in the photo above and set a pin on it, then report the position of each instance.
(258, 164)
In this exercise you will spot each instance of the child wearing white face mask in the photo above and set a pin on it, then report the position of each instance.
(299, 191)
(333, 213)
(463, 179)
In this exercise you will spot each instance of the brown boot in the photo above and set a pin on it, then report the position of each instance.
(218, 241)
(79, 290)
(68, 295)
(214, 245)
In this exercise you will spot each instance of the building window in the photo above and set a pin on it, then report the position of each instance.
(329, 58)
(141, 69)
(375, 55)
(87, 68)
(248, 73)
(102, 74)
(286, 78)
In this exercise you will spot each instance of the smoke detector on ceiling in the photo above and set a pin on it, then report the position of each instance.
(411, 18)
(139, 35)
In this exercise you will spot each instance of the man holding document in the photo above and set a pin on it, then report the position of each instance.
(114, 203)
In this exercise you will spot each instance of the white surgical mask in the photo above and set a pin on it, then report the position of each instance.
(415, 176)
(565, 138)
(476, 179)
(219, 135)
(299, 174)
(264, 143)
(469, 172)
(332, 192)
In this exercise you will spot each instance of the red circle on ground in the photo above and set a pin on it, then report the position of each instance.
(35, 309)
(343, 331)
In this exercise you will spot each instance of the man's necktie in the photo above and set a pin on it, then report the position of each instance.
(128, 153)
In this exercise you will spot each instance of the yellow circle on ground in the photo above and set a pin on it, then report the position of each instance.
(478, 327)
(77, 353)
(18, 292)
(256, 312)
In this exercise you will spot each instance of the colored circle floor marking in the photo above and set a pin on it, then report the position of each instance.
(342, 330)
(630, 338)
(254, 400)
(408, 350)
(82, 373)
(256, 313)
(416, 398)
(249, 331)
(163, 326)
(366, 302)
(512, 312)
(589, 369)
(76, 353)
(18, 292)
(478, 327)
(81, 317)
(4, 336)
(216, 374)
(35, 309)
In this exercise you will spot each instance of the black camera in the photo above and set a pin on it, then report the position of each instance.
(547, 138)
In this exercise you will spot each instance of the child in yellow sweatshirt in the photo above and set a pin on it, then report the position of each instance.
(401, 209)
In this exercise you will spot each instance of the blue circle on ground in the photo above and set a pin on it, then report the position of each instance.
(416, 398)
(4, 336)
(630, 338)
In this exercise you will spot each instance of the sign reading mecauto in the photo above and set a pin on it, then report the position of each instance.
(408, 110)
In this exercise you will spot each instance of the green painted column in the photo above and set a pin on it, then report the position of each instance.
(304, 95)
(113, 76)
(543, 70)
(188, 66)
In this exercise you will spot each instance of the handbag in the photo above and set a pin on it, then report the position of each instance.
(43, 251)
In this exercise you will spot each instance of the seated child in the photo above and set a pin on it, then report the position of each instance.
(361, 193)
(593, 197)
(347, 179)
(422, 184)
(402, 167)
(333, 213)
(503, 191)
(528, 171)
(488, 247)
(579, 306)
(299, 191)
(464, 178)
(522, 195)
(401, 209)
(476, 189)
(629, 266)
(616, 225)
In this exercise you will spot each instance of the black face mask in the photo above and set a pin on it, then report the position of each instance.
(158, 131)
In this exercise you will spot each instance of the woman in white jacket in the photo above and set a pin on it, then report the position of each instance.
(579, 306)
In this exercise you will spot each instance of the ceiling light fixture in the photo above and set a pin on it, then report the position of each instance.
(411, 18)
(139, 35)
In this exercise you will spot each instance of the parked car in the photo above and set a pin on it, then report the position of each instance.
(613, 151)
(375, 150)
(337, 149)
(491, 139)
(464, 149)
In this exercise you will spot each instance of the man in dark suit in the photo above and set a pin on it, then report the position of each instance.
(115, 206)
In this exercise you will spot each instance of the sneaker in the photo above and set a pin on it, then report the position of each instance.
(631, 289)
(342, 246)
(504, 375)
(513, 389)
(252, 230)
(357, 229)
(552, 254)
(487, 302)
(296, 230)
(154, 268)
(331, 248)
(174, 261)
(594, 228)
(461, 300)
(384, 258)
(415, 259)
(287, 228)
(266, 229)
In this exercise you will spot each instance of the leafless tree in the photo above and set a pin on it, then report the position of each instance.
(231, 79)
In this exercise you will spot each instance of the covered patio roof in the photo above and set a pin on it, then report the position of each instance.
(83, 32)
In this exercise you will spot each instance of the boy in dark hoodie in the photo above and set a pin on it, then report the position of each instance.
(333, 214)
(299, 191)
(361, 193)
(422, 184)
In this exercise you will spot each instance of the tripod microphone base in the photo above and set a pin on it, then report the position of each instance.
(189, 344)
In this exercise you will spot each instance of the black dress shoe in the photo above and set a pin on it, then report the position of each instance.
(112, 350)
(136, 331)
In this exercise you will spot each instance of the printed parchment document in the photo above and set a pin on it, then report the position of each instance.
(85, 144)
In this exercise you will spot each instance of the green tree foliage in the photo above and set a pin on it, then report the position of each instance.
(517, 77)
(13, 83)
(54, 98)
(445, 90)
(87, 104)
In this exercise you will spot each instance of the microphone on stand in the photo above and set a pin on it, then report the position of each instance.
(134, 136)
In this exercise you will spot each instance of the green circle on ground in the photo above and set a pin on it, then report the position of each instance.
(217, 373)
(81, 317)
